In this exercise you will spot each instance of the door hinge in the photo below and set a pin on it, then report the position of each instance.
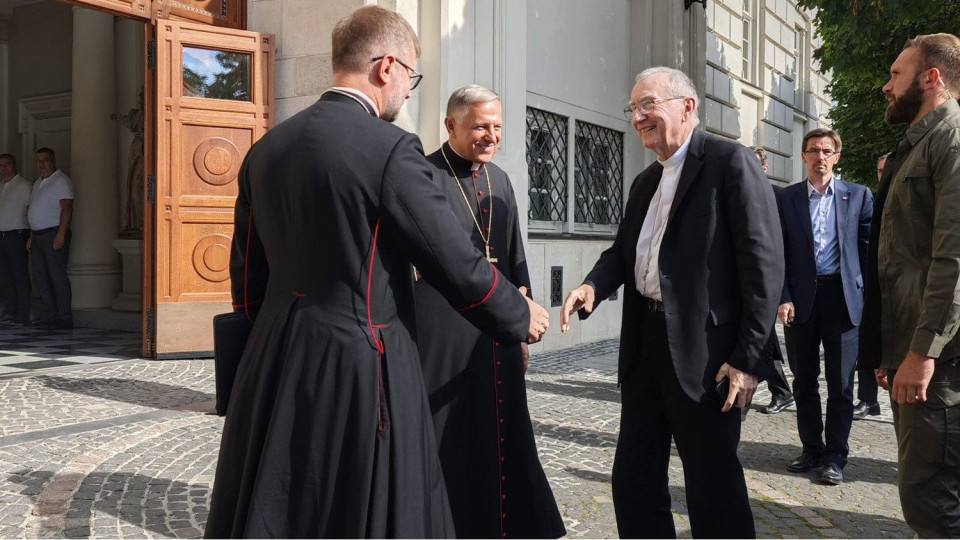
(150, 338)
(151, 188)
(151, 55)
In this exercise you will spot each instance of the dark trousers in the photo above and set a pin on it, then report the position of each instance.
(928, 472)
(15, 274)
(776, 378)
(654, 410)
(50, 276)
(830, 325)
(867, 386)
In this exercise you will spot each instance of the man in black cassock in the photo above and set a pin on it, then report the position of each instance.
(329, 431)
(476, 385)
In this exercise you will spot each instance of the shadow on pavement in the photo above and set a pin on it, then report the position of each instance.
(595, 390)
(773, 458)
(144, 393)
(578, 435)
(163, 507)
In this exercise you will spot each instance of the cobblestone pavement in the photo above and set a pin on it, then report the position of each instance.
(126, 449)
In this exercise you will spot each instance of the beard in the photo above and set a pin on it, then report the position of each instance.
(903, 109)
(393, 106)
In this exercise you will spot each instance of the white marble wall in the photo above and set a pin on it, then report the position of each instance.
(781, 94)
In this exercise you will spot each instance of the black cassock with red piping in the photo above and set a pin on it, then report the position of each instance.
(478, 396)
(328, 432)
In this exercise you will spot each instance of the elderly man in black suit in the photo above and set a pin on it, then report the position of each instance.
(700, 254)
(332, 435)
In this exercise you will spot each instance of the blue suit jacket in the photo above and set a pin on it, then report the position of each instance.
(854, 209)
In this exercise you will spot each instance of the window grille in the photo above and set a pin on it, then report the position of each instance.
(598, 175)
(547, 165)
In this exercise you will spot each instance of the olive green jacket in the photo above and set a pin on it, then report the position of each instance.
(918, 249)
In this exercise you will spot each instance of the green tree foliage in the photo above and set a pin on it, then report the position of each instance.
(861, 38)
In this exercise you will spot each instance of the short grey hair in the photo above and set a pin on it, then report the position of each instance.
(461, 99)
(679, 84)
(368, 32)
(883, 157)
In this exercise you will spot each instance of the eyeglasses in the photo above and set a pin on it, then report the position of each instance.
(415, 76)
(646, 106)
(815, 151)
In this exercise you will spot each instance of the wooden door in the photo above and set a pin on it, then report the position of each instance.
(138, 9)
(226, 13)
(214, 98)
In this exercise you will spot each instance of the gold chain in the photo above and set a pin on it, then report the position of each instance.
(485, 238)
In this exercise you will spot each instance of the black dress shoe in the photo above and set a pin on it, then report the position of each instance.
(804, 462)
(777, 404)
(831, 474)
(862, 409)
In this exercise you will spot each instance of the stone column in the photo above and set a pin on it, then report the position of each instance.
(130, 81)
(4, 78)
(94, 264)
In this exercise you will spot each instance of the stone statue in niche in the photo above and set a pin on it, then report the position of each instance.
(133, 205)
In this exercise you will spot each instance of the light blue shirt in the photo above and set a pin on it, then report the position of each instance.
(823, 217)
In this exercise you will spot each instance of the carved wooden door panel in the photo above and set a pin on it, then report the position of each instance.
(138, 9)
(226, 13)
(214, 99)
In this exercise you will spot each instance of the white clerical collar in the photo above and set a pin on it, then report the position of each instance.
(811, 190)
(359, 96)
(474, 166)
(681, 154)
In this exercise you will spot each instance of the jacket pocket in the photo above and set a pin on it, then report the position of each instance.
(721, 315)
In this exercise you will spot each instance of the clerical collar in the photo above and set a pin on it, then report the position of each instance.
(678, 157)
(359, 96)
(474, 166)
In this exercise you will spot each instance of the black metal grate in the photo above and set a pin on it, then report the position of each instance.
(598, 175)
(547, 165)
(556, 286)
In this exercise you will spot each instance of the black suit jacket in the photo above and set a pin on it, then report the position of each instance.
(721, 264)
(854, 209)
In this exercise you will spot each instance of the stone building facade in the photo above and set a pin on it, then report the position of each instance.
(563, 68)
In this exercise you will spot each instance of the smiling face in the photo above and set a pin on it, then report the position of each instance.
(475, 135)
(819, 166)
(668, 123)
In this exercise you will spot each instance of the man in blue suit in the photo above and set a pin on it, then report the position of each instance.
(826, 225)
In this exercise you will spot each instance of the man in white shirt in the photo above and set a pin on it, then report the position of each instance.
(14, 232)
(51, 207)
(700, 255)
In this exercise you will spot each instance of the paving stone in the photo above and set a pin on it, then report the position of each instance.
(145, 459)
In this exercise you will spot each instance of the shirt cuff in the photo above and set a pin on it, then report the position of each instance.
(928, 343)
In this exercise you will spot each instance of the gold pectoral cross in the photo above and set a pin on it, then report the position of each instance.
(489, 258)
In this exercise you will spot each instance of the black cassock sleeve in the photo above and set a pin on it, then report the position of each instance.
(417, 216)
(248, 262)
(519, 272)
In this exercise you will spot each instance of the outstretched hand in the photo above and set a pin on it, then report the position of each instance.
(580, 298)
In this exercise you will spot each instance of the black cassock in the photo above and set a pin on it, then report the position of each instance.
(476, 386)
(328, 431)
